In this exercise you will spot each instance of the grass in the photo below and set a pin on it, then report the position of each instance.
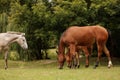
(47, 70)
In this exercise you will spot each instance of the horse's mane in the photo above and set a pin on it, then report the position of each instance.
(13, 32)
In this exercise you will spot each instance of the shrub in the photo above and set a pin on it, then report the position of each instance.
(14, 55)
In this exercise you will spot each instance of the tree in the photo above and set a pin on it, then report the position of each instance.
(44, 21)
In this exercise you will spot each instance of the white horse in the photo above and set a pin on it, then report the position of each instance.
(8, 38)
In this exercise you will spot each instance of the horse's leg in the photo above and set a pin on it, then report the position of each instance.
(78, 60)
(6, 62)
(72, 54)
(90, 49)
(6, 56)
(87, 56)
(106, 51)
(100, 48)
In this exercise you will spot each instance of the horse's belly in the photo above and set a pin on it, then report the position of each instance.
(2, 43)
(82, 41)
(85, 41)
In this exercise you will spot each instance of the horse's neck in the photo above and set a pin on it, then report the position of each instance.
(12, 38)
(61, 48)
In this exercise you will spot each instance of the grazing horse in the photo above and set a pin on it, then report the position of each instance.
(6, 39)
(83, 36)
(76, 62)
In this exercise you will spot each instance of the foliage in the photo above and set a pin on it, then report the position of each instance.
(44, 21)
(14, 55)
(3, 22)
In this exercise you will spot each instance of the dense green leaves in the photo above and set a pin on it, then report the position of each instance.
(43, 21)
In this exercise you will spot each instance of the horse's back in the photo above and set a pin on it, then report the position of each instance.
(2, 36)
(101, 33)
(78, 35)
(84, 35)
(86, 30)
(75, 30)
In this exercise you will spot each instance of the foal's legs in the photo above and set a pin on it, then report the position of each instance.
(106, 51)
(72, 55)
(68, 60)
(77, 59)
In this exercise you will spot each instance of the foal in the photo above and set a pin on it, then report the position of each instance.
(76, 61)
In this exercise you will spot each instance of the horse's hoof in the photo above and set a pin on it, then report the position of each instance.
(75, 66)
(109, 66)
(95, 66)
(78, 66)
(86, 66)
(5, 68)
(69, 67)
(60, 67)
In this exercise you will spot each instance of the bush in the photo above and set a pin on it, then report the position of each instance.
(14, 55)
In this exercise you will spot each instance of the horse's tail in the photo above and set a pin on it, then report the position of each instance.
(109, 35)
(110, 41)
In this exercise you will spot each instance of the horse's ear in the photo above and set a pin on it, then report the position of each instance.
(23, 34)
(56, 51)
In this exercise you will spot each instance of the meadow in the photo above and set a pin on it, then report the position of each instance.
(48, 70)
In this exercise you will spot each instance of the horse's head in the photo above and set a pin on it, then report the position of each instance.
(22, 41)
(61, 59)
(68, 60)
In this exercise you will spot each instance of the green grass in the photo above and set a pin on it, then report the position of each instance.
(48, 70)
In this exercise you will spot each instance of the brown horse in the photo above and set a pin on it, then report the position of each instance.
(83, 36)
(76, 62)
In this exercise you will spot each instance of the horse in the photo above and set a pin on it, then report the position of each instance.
(76, 62)
(83, 36)
(6, 39)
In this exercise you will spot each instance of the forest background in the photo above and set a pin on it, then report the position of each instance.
(44, 21)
